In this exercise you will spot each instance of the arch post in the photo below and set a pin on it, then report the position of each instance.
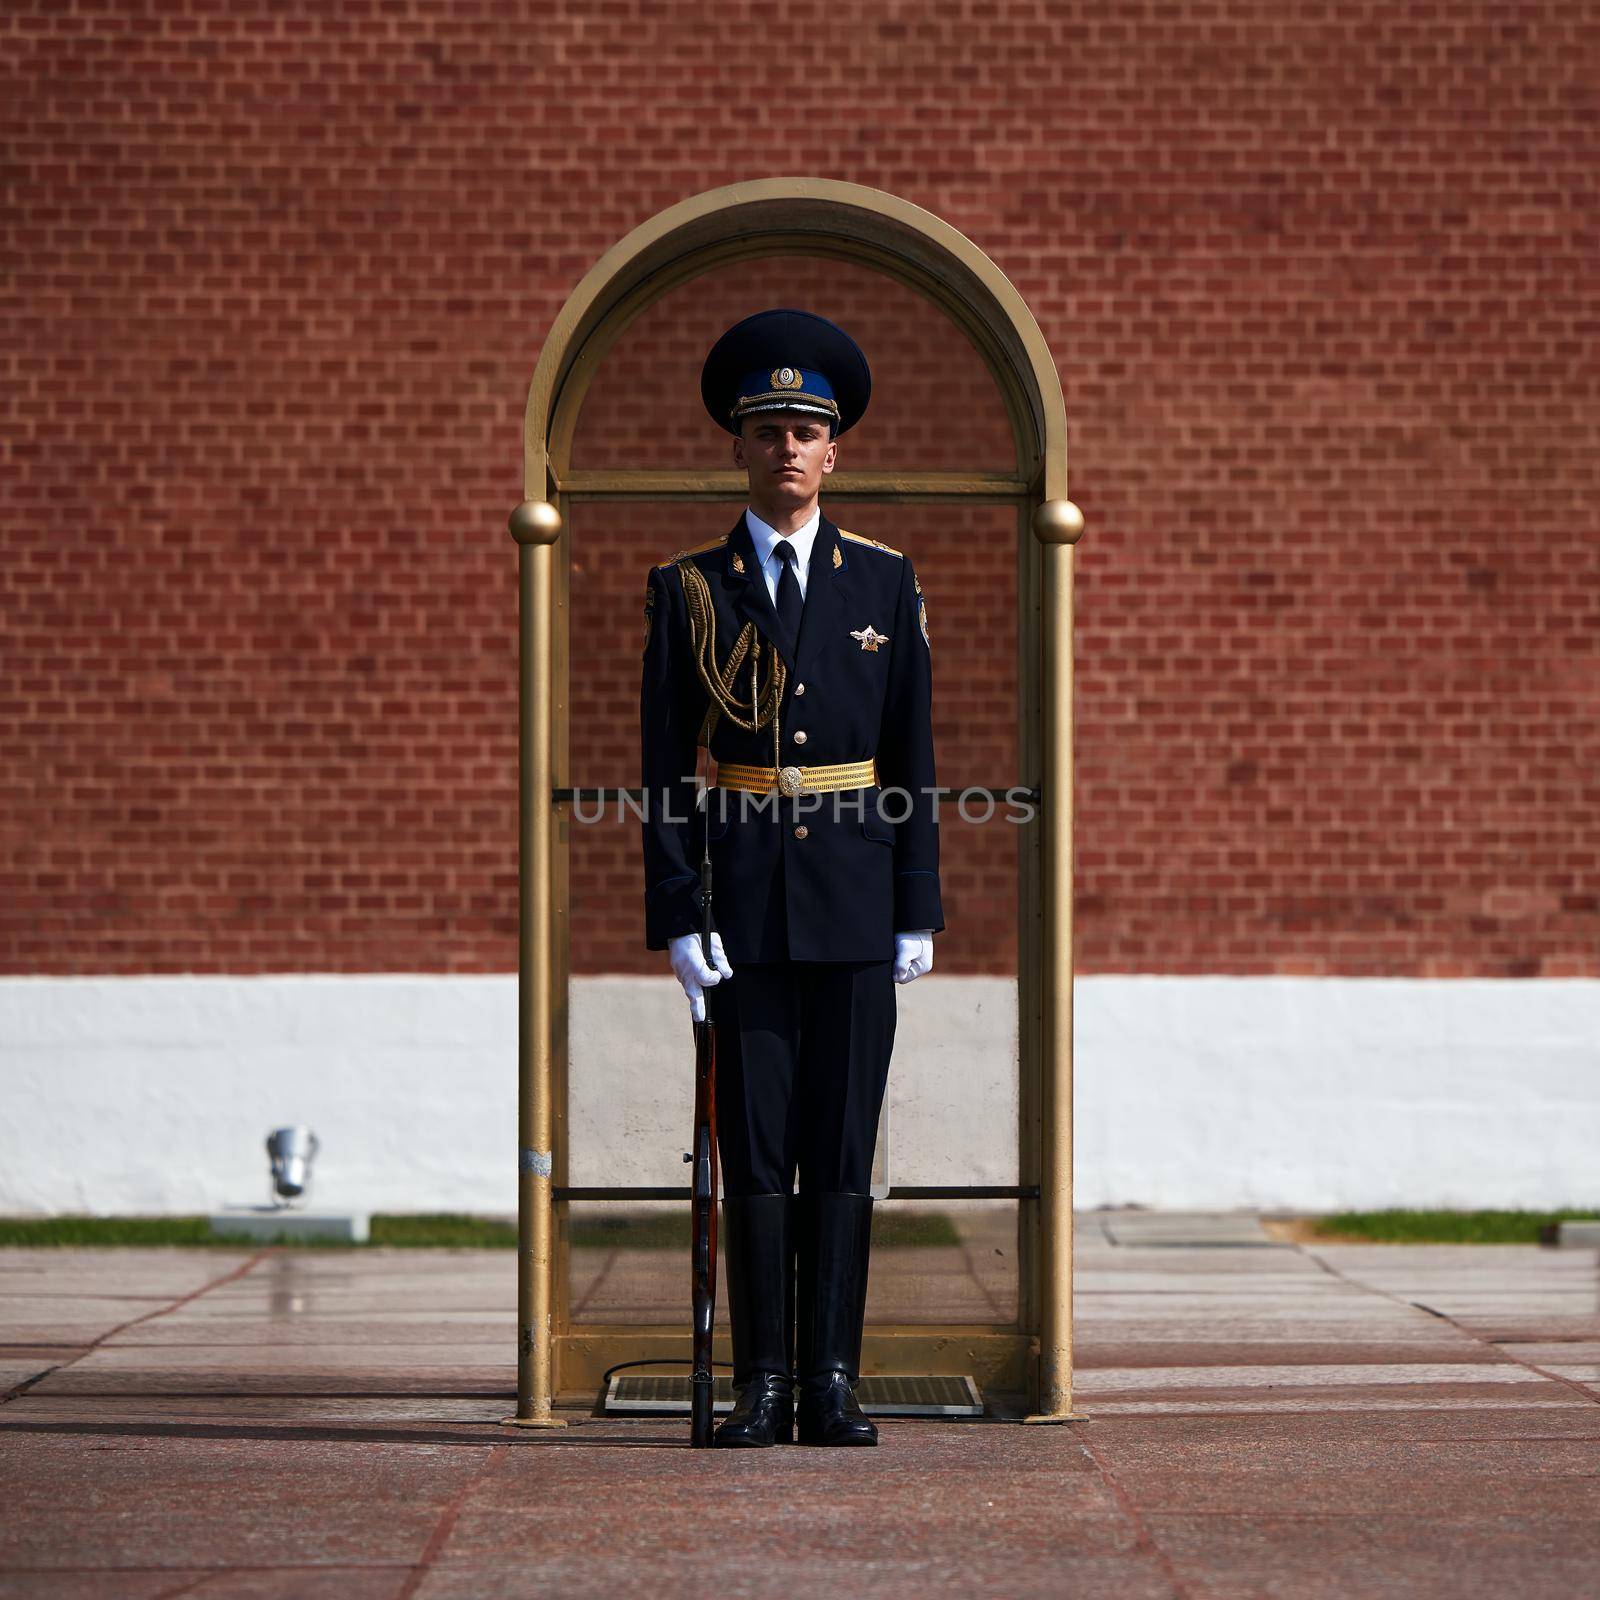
(535, 525)
(1057, 525)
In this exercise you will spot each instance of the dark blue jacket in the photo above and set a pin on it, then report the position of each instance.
(828, 877)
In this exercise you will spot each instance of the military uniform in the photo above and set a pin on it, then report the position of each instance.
(852, 700)
(822, 828)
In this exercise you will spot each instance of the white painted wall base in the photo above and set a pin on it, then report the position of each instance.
(143, 1095)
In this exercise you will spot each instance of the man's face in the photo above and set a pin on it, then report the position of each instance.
(787, 454)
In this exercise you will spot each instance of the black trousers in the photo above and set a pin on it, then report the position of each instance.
(803, 1053)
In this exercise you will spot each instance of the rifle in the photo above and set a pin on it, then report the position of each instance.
(703, 1217)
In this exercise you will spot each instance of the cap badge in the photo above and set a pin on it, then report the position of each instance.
(870, 637)
(785, 378)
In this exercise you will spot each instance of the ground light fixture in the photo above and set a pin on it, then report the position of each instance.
(291, 1151)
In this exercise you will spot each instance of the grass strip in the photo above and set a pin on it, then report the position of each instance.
(1444, 1227)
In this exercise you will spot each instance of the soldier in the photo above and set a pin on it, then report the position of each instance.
(797, 654)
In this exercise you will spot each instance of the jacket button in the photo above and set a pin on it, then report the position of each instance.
(801, 831)
(800, 738)
(799, 688)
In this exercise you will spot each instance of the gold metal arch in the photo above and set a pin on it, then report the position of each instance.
(817, 217)
(812, 216)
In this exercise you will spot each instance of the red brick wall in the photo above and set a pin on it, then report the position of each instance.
(1321, 283)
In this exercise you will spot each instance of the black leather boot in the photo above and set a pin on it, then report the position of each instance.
(758, 1250)
(835, 1239)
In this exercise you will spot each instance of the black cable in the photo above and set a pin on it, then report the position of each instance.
(657, 1361)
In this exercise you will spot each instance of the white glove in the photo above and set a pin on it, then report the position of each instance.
(913, 955)
(690, 969)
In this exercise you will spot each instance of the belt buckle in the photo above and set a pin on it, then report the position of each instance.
(791, 781)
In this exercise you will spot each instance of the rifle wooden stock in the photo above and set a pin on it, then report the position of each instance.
(703, 1221)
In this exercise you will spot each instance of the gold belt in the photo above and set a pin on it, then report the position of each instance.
(797, 780)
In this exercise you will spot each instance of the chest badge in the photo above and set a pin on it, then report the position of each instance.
(869, 636)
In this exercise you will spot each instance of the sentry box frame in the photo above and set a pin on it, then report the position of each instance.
(845, 222)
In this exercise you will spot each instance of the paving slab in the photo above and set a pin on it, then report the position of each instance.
(24, 1366)
(281, 1407)
(1183, 1431)
(1256, 1420)
(159, 1273)
(69, 1319)
(1477, 1557)
(1309, 1477)
(802, 1570)
(936, 1505)
(453, 1328)
(260, 1583)
(139, 1501)
(1133, 1349)
(1191, 1229)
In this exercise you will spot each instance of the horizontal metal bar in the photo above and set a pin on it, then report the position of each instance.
(936, 1191)
(965, 1191)
(909, 497)
(947, 795)
(623, 1192)
(626, 484)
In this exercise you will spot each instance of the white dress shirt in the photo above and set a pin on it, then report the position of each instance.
(766, 540)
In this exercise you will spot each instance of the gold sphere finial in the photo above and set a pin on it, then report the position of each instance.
(1058, 522)
(536, 522)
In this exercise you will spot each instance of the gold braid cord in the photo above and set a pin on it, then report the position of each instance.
(721, 683)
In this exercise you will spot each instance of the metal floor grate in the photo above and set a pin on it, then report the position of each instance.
(888, 1395)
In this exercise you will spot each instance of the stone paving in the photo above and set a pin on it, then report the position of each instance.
(1258, 1419)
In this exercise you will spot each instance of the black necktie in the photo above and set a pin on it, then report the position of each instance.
(790, 599)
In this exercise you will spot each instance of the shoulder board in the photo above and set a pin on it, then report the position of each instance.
(699, 549)
(877, 544)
